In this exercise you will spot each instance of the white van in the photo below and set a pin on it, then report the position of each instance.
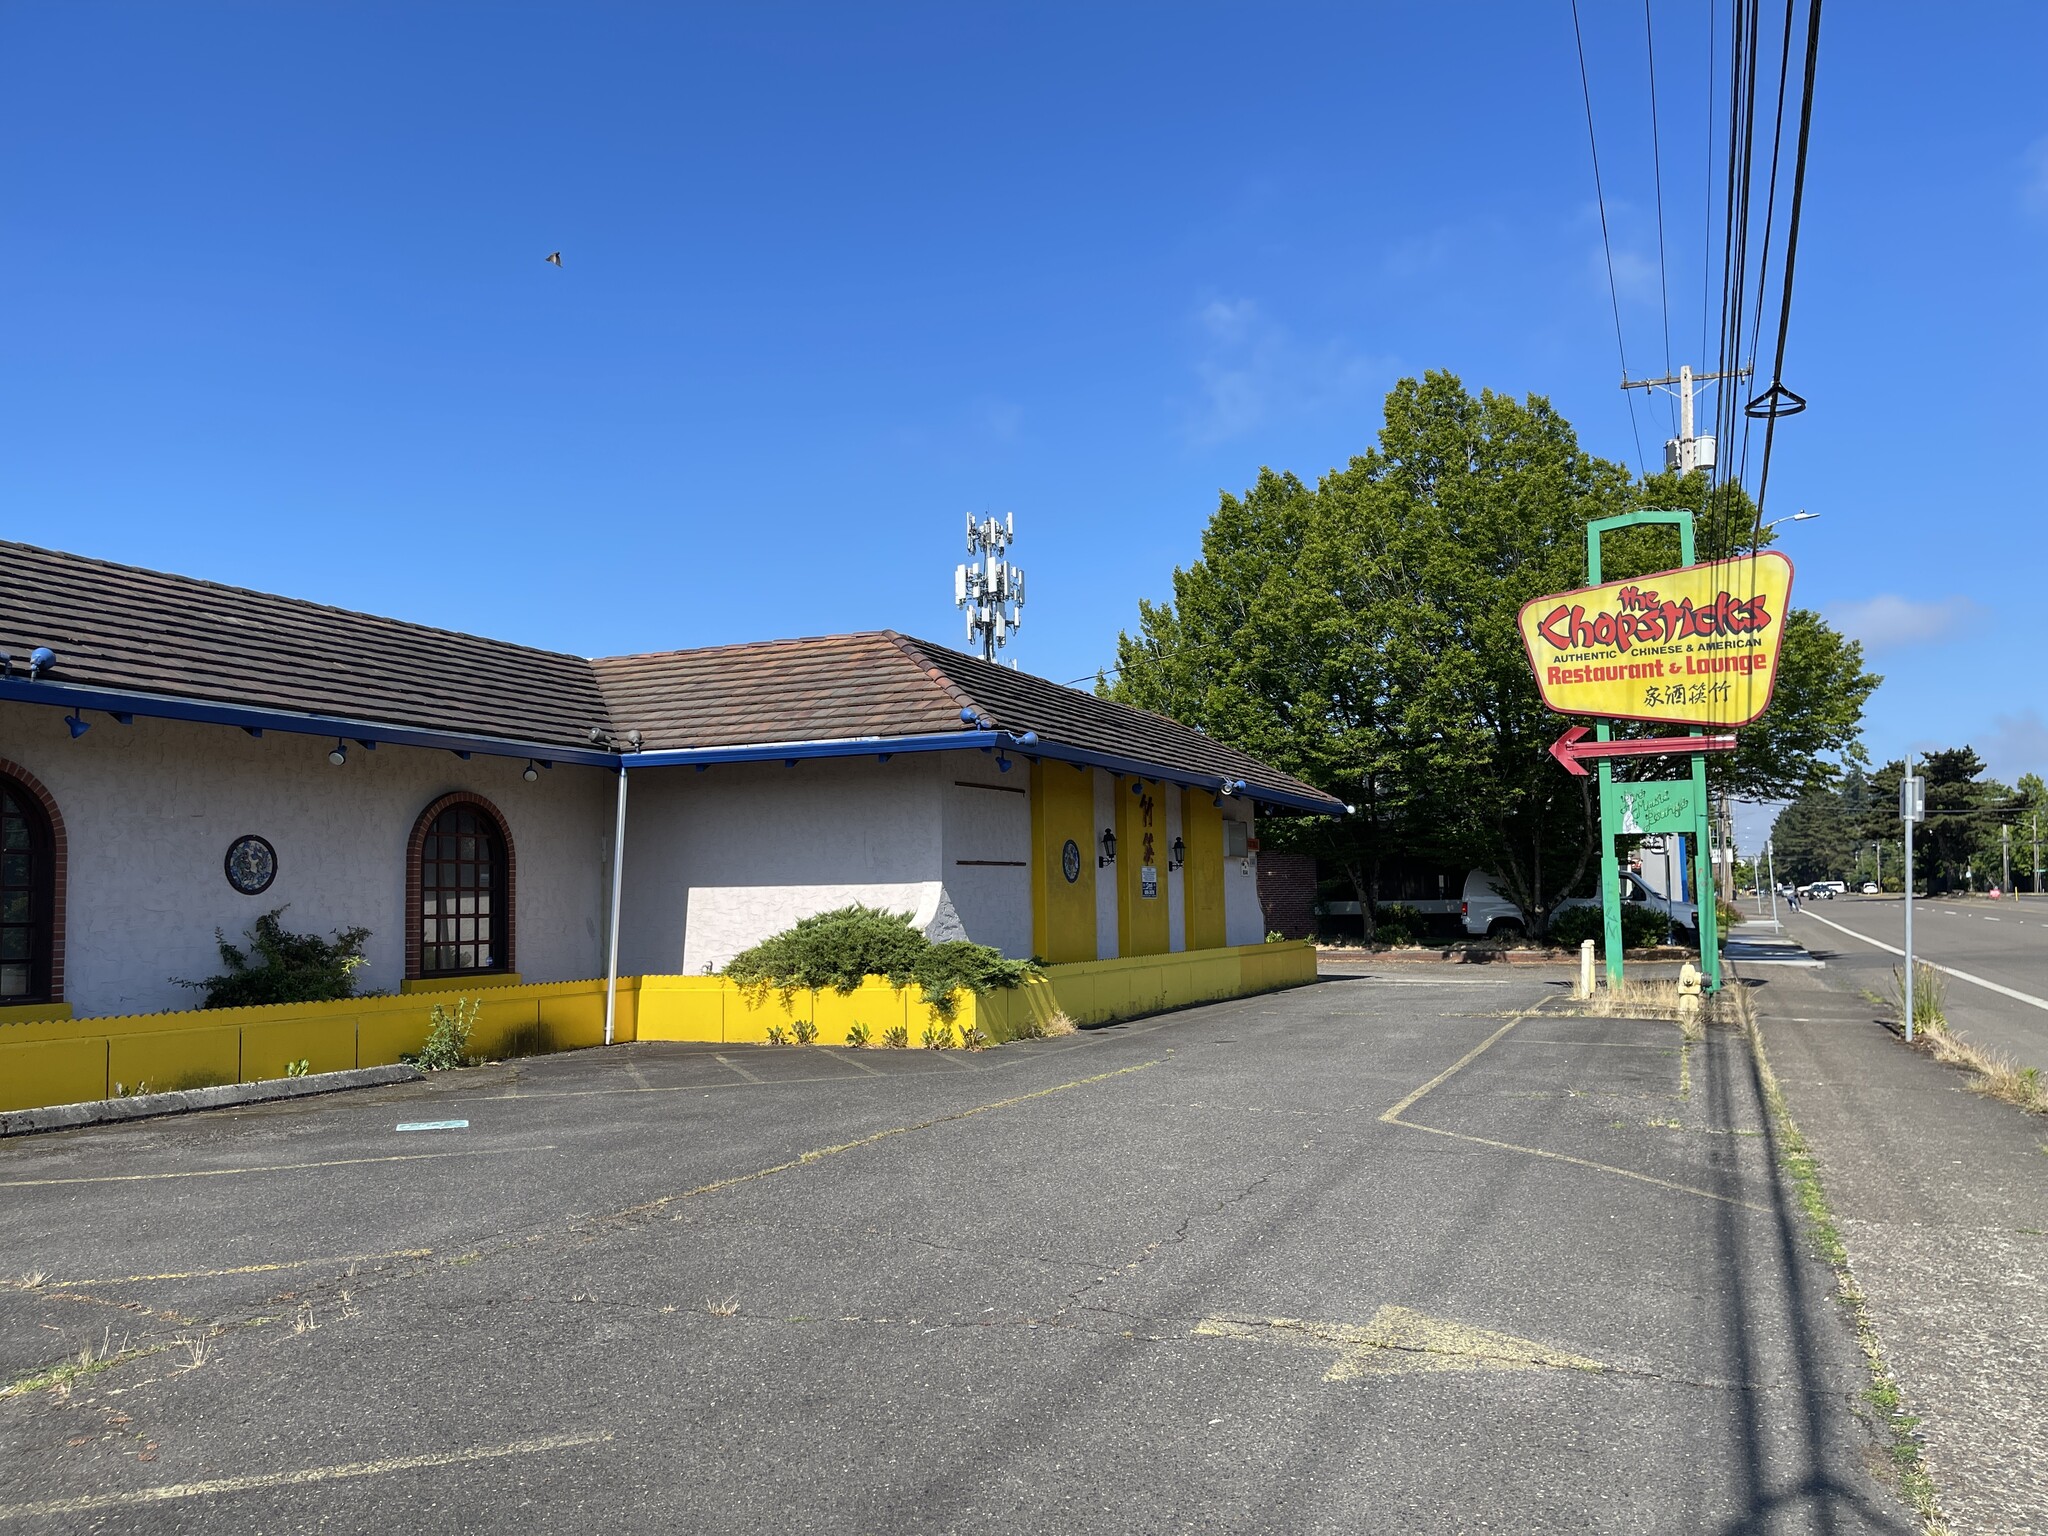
(1488, 913)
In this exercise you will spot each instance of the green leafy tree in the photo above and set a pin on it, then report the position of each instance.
(1362, 635)
(1813, 838)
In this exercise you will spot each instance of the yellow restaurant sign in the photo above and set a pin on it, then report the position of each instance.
(1694, 646)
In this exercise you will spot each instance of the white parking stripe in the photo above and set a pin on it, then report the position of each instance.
(1946, 970)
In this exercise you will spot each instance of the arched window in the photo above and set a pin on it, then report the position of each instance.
(30, 914)
(460, 895)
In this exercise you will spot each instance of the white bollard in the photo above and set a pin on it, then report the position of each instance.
(1586, 968)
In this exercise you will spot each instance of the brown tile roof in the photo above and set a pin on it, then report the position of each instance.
(123, 628)
(118, 626)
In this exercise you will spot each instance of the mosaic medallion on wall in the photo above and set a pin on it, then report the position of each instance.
(251, 864)
(1070, 861)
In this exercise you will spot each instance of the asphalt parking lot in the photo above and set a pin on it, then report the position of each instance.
(1389, 1253)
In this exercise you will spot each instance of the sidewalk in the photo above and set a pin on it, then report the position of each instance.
(1941, 1197)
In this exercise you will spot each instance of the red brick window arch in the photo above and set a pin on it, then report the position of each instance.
(459, 873)
(32, 869)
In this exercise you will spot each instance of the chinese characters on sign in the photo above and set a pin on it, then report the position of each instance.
(1148, 870)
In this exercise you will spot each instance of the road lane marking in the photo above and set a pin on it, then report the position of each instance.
(219, 1173)
(1399, 1342)
(252, 1269)
(1947, 970)
(433, 1125)
(1393, 1117)
(384, 1467)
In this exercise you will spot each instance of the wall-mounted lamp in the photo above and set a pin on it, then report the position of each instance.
(1002, 763)
(1176, 855)
(340, 753)
(40, 660)
(1108, 849)
(529, 773)
(78, 723)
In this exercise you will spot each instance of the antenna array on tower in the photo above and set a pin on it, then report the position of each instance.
(988, 586)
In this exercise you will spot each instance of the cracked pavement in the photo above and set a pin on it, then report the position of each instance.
(1033, 1288)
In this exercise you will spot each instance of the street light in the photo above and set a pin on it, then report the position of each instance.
(1796, 517)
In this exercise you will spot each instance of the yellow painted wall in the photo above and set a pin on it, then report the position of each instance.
(1062, 913)
(57, 1060)
(62, 1061)
(1201, 827)
(1141, 840)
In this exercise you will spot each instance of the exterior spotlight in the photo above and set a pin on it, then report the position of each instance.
(339, 755)
(78, 723)
(1108, 849)
(531, 772)
(1002, 764)
(40, 660)
(1176, 855)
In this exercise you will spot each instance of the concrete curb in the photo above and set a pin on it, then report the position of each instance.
(144, 1106)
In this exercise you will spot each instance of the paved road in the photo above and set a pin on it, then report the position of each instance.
(2004, 943)
(1384, 1254)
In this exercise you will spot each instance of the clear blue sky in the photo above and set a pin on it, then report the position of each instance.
(834, 276)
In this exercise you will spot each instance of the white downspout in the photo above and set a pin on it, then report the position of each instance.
(611, 965)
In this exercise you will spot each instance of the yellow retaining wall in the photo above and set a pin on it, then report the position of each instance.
(65, 1061)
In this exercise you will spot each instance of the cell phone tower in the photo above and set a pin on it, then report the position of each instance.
(988, 586)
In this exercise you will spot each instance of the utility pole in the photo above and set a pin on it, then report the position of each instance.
(1687, 451)
(988, 586)
(2005, 855)
(2037, 853)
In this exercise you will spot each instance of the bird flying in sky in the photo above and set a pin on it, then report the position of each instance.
(555, 258)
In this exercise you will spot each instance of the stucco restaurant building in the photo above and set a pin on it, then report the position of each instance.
(178, 757)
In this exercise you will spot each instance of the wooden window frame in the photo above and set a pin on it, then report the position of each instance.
(52, 961)
(415, 907)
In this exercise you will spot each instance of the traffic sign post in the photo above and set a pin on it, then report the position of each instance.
(1912, 809)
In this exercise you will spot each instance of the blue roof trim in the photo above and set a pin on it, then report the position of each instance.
(161, 707)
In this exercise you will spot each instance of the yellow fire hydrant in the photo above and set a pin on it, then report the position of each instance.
(1688, 995)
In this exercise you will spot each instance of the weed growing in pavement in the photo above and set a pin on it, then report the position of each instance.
(938, 1036)
(1056, 1022)
(303, 1067)
(1883, 1394)
(974, 1038)
(123, 1091)
(535, 1039)
(856, 1035)
(448, 1031)
(196, 1353)
(805, 1031)
(1930, 996)
(896, 1037)
(778, 1035)
(726, 1307)
(32, 1280)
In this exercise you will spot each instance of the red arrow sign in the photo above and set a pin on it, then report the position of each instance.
(1567, 749)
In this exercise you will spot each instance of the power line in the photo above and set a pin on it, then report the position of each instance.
(1776, 393)
(1606, 244)
(1770, 215)
(1657, 167)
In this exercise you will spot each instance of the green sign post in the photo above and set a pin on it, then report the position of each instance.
(1672, 806)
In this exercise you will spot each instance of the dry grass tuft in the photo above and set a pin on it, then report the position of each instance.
(32, 1281)
(1993, 1075)
(728, 1307)
(197, 1352)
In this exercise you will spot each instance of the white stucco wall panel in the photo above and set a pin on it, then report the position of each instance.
(719, 860)
(1176, 893)
(1244, 920)
(988, 849)
(1106, 882)
(150, 809)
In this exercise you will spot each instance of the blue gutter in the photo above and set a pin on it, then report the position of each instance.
(363, 732)
(983, 740)
(367, 733)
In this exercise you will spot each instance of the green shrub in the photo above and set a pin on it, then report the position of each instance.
(856, 1035)
(896, 1037)
(1396, 924)
(1640, 927)
(448, 1031)
(842, 948)
(938, 1036)
(805, 1031)
(281, 967)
